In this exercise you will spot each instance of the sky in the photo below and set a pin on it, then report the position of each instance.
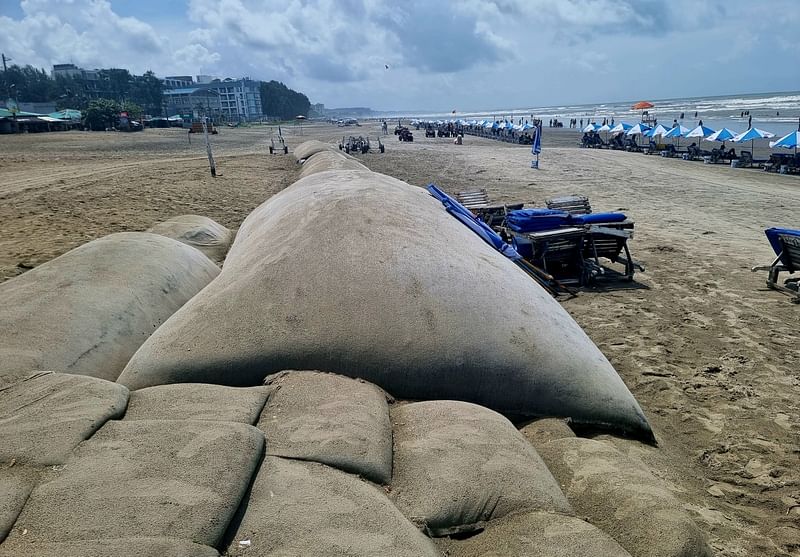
(464, 55)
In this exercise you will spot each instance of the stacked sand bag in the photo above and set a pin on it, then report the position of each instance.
(357, 273)
(200, 232)
(87, 311)
(311, 464)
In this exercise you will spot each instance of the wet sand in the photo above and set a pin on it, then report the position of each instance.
(710, 353)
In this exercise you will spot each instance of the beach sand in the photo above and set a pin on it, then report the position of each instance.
(710, 353)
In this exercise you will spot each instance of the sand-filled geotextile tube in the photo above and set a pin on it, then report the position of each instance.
(308, 148)
(357, 273)
(197, 231)
(87, 311)
(329, 160)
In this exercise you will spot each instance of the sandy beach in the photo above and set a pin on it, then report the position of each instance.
(709, 352)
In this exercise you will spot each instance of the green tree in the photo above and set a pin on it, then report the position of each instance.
(147, 90)
(279, 101)
(134, 110)
(102, 114)
(30, 84)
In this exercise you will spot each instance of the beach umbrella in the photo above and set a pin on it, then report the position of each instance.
(751, 135)
(788, 141)
(638, 129)
(604, 128)
(700, 131)
(621, 127)
(676, 133)
(642, 105)
(590, 128)
(659, 130)
(721, 135)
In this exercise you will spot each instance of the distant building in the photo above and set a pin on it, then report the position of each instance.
(205, 78)
(89, 79)
(240, 99)
(177, 81)
(194, 101)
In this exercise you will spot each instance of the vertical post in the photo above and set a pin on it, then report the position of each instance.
(208, 149)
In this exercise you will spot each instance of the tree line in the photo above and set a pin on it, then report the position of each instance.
(118, 88)
(29, 84)
(277, 100)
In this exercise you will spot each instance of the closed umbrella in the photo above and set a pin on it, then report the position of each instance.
(536, 145)
(751, 135)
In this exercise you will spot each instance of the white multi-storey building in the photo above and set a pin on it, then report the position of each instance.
(231, 99)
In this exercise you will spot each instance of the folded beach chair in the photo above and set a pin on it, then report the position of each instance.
(493, 214)
(472, 199)
(572, 204)
(606, 236)
(786, 244)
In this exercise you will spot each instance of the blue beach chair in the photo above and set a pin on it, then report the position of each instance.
(786, 244)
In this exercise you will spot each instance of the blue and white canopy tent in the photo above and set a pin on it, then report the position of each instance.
(590, 128)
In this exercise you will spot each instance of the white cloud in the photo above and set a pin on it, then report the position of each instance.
(465, 54)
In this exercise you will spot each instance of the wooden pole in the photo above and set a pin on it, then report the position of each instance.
(211, 163)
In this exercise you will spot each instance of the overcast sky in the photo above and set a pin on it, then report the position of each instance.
(441, 55)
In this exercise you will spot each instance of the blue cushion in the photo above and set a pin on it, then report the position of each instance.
(535, 220)
(595, 218)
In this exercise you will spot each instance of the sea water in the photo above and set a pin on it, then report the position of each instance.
(778, 113)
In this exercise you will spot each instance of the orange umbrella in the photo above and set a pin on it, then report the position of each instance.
(643, 105)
